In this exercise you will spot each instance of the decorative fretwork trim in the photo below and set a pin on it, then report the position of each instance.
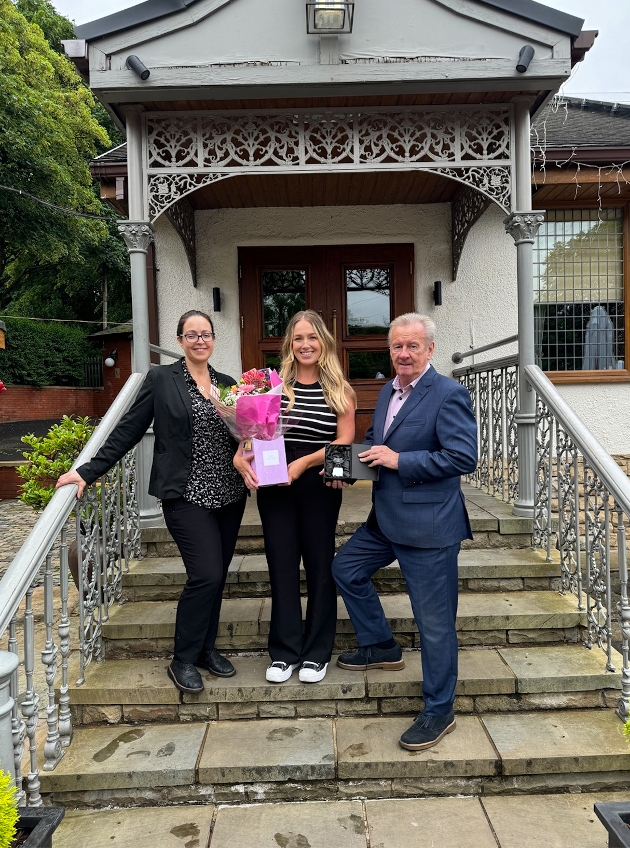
(468, 206)
(184, 150)
(182, 217)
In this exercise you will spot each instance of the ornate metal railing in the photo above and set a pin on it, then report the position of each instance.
(108, 534)
(493, 388)
(582, 509)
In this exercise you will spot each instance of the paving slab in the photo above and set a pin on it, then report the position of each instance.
(323, 824)
(428, 823)
(562, 668)
(269, 750)
(559, 742)
(156, 571)
(140, 681)
(344, 625)
(123, 756)
(480, 673)
(368, 748)
(502, 511)
(249, 684)
(505, 563)
(510, 610)
(165, 827)
(549, 821)
(156, 619)
(481, 519)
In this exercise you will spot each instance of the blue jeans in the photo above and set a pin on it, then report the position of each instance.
(431, 577)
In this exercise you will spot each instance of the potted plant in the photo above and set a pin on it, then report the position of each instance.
(25, 827)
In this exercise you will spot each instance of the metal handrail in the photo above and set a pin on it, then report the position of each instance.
(458, 356)
(599, 459)
(164, 352)
(491, 365)
(27, 562)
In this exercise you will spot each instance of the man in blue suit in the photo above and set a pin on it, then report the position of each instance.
(423, 437)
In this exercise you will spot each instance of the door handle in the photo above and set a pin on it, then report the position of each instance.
(334, 324)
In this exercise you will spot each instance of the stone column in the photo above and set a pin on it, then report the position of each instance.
(8, 665)
(523, 225)
(138, 234)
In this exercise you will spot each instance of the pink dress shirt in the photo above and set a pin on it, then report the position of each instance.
(398, 398)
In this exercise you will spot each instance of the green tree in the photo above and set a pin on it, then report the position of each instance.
(51, 264)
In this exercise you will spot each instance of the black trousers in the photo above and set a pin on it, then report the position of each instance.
(206, 539)
(299, 522)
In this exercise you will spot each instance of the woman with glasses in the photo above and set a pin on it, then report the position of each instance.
(202, 494)
(299, 520)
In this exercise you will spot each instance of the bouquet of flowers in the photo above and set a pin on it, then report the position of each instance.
(252, 412)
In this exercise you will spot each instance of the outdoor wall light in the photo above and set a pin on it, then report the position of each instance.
(138, 67)
(112, 358)
(216, 299)
(325, 17)
(437, 292)
(524, 58)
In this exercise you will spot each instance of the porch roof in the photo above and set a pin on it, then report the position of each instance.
(155, 9)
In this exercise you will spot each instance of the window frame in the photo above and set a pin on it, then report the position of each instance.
(602, 376)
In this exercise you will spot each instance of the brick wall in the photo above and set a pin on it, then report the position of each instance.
(25, 403)
(10, 482)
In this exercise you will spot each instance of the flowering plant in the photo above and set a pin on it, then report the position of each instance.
(3, 388)
(256, 381)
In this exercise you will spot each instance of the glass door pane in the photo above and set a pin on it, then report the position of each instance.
(368, 300)
(283, 294)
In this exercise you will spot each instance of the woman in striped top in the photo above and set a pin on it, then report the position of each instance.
(299, 519)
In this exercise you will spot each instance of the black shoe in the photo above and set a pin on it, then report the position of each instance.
(427, 731)
(213, 662)
(373, 657)
(185, 676)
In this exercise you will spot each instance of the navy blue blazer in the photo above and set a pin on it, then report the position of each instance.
(435, 434)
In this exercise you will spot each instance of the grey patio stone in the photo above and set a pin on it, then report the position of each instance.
(273, 749)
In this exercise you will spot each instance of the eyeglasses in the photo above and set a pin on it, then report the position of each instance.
(192, 337)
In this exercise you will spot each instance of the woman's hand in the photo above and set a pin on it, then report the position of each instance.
(71, 477)
(334, 484)
(243, 465)
(296, 469)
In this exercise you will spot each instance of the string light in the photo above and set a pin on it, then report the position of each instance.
(539, 162)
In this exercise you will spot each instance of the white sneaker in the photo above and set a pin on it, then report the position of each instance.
(312, 672)
(278, 672)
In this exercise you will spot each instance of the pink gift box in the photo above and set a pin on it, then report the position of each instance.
(270, 461)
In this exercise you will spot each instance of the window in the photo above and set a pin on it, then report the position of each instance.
(579, 309)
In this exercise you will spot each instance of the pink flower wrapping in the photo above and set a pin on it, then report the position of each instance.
(255, 415)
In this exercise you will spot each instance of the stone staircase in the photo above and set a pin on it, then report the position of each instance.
(535, 709)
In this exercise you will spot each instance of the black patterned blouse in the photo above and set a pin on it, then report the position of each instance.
(213, 481)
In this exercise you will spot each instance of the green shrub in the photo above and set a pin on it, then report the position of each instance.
(42, 354)
(8, 809)
(50, 456)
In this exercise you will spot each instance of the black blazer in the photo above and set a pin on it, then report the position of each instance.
(163, 399)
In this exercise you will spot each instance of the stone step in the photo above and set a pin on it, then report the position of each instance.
(502, 679)
(492, 521)
(504, 570)
(481, 822)
(484, 618)
(332, 758)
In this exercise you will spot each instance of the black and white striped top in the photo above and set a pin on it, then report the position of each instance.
(315, 420)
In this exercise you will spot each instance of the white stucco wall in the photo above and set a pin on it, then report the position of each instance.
(479, 308)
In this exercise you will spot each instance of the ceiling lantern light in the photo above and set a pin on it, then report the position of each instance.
(329, 17)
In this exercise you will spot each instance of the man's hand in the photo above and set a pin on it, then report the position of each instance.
(380, 455)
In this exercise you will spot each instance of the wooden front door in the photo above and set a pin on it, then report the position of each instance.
(357, 289)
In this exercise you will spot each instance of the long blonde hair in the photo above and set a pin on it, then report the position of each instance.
(337, 392)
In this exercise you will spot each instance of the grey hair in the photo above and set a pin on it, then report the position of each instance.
(414, 318)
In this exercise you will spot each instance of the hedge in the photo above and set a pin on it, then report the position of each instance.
(43, 354)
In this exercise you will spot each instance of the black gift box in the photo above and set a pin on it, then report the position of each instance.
(341, 462)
